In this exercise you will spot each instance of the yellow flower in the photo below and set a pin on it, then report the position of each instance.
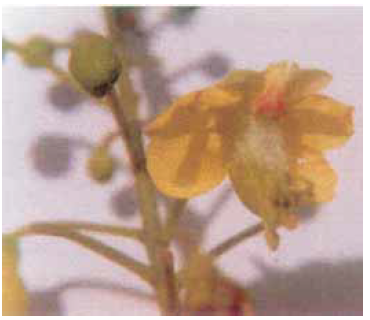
(15, 300)
(266, 130)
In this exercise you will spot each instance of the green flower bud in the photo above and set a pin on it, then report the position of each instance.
(94, 63)
(100, 165)
(38, 52)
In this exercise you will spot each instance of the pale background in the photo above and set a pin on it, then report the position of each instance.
(318, 268)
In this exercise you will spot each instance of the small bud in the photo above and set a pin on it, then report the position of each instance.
(100, 165)
(38, 52)
(94, 63)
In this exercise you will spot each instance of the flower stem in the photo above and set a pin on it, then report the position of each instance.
(96, 246)
(236, 239)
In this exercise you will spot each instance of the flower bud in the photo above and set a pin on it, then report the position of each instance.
(100, 165)
(15, 299)
(38, 52)
(94, 63)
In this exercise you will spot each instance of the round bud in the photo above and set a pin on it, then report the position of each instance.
(100, 165)
(94, 63)
(38, 52)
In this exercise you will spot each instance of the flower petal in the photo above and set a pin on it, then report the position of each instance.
(258, 187)
(271, 100)
(320, 122)
(186, 165)
(191, 112)
(246, 83)
(314, 169)
(305, 82)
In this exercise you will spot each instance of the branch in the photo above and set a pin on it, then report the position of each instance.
(96, 246)
(238, 238)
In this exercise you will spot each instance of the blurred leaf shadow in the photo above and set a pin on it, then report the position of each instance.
(214, 65)
(52, 154)
(48, 302)
(155, 83)
(124, 203)
(64, 98)
(317, 288)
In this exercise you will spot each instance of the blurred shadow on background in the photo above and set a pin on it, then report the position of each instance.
(64, 98)
(318, 288)
(307, 214)
(52, 154)
(215, 66)
(124, 203)
(48, 302)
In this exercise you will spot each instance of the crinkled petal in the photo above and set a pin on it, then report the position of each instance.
(305, 82)
(320, 122)
(186, 165)
(313, 168)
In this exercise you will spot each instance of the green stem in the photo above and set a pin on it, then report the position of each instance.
(235, 240)
(147, 200)
(126, 117)
(96, 246)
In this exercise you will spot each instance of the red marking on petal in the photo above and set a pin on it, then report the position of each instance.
(271, 103)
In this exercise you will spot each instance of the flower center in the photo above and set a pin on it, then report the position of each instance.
(262, 142)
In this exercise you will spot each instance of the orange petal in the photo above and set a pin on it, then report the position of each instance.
(315, 169)
(305, 82)
(321, 122)
(186, 165)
